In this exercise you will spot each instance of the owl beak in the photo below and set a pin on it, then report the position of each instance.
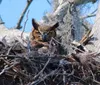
(44, 37)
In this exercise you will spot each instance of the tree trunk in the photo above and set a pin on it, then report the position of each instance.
(70, 25)
(96, 33)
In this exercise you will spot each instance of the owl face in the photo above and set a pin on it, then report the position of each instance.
(43, 33)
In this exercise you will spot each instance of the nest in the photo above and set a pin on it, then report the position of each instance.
(21, 65)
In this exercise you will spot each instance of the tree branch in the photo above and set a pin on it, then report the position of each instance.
(49, 2)
(1, 21)
(79, 2)
(88, 16)
(23, 14)
(25, 24)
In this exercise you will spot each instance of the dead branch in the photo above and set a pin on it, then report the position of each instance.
(7, 68)
(23, 14)
(79, 2)
(49, 2)
(1, 21)
(88, 16)
(25, 24)
(43, 68)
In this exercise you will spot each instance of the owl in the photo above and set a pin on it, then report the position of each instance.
(42, 34)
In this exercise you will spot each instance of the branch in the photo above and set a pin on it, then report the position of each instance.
(7, 68)
(87, 16)
(1, 21)
(25, 24)
(43, 68)
(0, 1)
(85, 26)
(23, 14)
(49, 2)
(90, 15)
(79, 2)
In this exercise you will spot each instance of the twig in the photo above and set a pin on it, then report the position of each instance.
(94, 11)
(1, 21)
(21, 82)
(6, 69)
(87, 16)
(72, 46)
(11, 56)
(54, 72)
(25, 24)
(85, 26)
(9, 50)
(42, 69)
(64, 77)
(23, 14)
(85, 38)
(96, 82)
(8, 63)
(92, 74)
(41, 79)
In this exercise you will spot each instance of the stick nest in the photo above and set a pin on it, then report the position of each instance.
(21, 65)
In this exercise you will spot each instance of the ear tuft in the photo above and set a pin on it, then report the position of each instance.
(54, 26)
(35, 24)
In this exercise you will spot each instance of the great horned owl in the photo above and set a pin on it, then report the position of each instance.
(42, 33)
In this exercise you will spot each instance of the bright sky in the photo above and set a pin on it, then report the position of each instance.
(88, 9)
(10, 11)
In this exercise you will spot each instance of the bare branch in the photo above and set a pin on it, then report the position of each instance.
(23, 14)
(43, 68)
(88, 16)
(25, 24)
(1, 21)
(85, 26)
(49, 2)
(79, 2)
(0, 1)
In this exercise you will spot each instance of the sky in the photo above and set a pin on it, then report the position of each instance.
(10, 11)
(88, 9)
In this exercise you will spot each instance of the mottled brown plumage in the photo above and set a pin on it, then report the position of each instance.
(42, 34)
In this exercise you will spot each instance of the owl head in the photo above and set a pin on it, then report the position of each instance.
(43, 33)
